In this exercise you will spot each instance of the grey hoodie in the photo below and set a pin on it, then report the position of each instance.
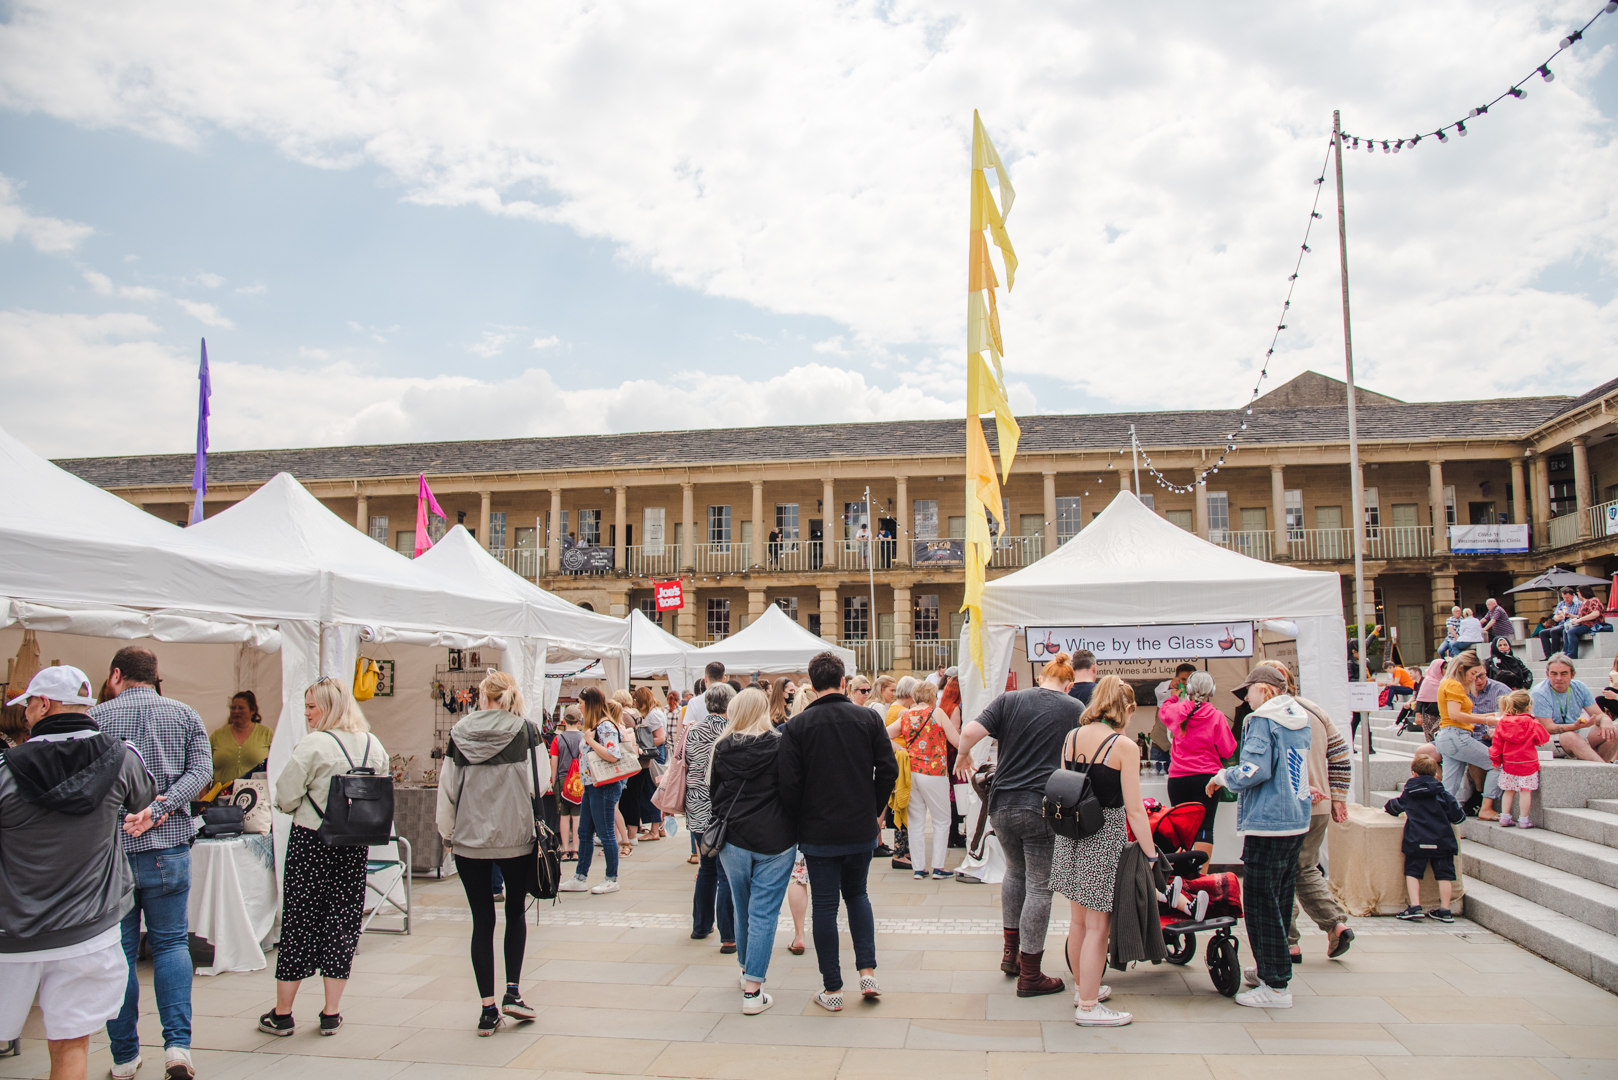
(486, 788)
(63, 875)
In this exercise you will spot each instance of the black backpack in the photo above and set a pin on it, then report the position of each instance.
(359, 804)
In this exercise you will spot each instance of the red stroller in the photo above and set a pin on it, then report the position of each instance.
(1173, 830)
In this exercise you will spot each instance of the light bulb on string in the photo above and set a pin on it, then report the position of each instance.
(1460, 129)
(1517, 92)
(1479, 111)
(1442, 137)
(1546, 73)
(1571, 38)
(1385, 146)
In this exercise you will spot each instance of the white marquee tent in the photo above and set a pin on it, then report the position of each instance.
(658, 652)
(773, 644)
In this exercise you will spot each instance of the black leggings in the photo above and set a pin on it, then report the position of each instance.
(477, 877)
(1194, 788)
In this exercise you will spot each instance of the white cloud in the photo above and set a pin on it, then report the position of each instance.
(492, 344)
(206, 314)
(811, 159)
(547, 342)
(251, 290)
(80, 373)
(205, 279)
(105, 286)
(832, 345)
(47, 235)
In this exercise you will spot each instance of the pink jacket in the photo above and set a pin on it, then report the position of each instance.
(1428, 690)
(1201, 735)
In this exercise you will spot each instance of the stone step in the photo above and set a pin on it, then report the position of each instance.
(1609, 806)
(1589, 902)
(1595, 862)
(1596, 826)
(1581, 949)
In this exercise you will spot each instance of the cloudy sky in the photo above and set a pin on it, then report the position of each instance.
(401, 221)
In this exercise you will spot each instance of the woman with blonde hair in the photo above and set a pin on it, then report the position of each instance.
(323, 884)
(927, 733)
(1086, 870)
(761, 840)
(654, 719)
(1455, 723)
(486, 814)
(600, 807)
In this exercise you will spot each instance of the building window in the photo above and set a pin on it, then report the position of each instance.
(651, 534)
(1069, 517)
(854, 515)
(1294, 503)
(1030, 525)
(925, 512)
(1255, 519)
(561, 533)
(589, 528)
(497, 529)
(1148, 500)
(1218, 515)
(719, 526)
(957, 528)
(379, 529)
(788, 604)
(786, 522)
(856, 618)
(1329, 517)
(404, 542)
(814, 623)
(1449, 505)
(925, 627)
(1181, 518)
(1373, 514)
(648, 608)
(718, 618)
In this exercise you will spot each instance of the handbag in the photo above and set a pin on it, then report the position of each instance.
(983, 784)
(252, 797)
(366, 675)
(713, 837)
(1070, 803)
(603, 772)
(219, 822)
(670, 794)
(545, 874)
(359, 804)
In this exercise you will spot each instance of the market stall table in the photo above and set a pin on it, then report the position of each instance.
(234, 902)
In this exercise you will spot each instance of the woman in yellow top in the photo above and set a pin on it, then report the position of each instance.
(242, 744)
(1456, 721)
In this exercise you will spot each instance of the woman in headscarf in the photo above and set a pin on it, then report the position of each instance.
(1504, 667)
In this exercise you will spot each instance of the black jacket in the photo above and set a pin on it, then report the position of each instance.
(1429, 812)
(837, 771)
(1504, 667)
(745, 773)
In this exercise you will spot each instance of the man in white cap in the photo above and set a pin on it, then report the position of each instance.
(64, 882)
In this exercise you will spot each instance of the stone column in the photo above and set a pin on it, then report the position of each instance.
(1443, 601)
(1278, 511)
(553, 542)
(1123, 480)
(831, 531)
(829, 614)
(1202, 509)
(903, 630)
(620, 512)
(1050, 513)
(1519, 497)
(687, 622)
(1581, 483)
(755, 604)
(483, 518)
(1435, 500)
(906, 521)
(618, 603)
(1542, 491)
(362, 515)
(759, 532)
(688, 530)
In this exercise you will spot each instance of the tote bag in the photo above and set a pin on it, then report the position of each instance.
(670, 794)
(603, 772)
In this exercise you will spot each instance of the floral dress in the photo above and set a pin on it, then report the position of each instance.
(924, 738)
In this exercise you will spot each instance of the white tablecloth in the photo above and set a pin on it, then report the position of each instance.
(234, 901)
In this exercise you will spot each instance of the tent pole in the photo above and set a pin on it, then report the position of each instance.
(1134, 453)
(1356, 480)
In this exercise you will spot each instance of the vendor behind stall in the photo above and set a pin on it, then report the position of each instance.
(243, 743)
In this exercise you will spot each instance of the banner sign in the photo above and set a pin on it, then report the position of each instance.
(587, 560)
(1610, 515)
(937, 552)
(1142, 642)
(669, 594)
(1488, 539)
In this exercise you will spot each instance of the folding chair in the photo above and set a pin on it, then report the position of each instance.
(387, 881)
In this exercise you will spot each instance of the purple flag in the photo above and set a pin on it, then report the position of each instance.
(199, 473)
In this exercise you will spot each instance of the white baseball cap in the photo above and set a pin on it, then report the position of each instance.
(66, 684)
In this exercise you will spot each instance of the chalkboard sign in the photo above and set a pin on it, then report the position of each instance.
(587, 560)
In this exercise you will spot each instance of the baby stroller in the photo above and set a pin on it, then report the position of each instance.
(1173, 831)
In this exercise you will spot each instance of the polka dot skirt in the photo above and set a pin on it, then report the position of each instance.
(321, 908)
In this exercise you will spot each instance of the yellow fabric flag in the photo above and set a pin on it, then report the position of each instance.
(982, 498)
(982, 326)
(980, 274)
(984, 157)
(985, 215)
(984, 394)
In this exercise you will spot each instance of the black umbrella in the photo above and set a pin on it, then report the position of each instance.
(1556, 578)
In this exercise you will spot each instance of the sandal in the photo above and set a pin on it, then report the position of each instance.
(795, 949)
(694, 859)
(625, 849)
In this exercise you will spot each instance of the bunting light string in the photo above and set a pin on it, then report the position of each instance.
(1516, 90)
(1264, 371)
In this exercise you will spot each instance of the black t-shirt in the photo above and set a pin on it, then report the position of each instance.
(1030, 726)
(1082, 691)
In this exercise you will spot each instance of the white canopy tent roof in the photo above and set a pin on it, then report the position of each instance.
(1130, 567)
(658, 652)
(773, 643)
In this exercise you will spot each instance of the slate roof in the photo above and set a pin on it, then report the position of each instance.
(1585, 399)
(1496, 419)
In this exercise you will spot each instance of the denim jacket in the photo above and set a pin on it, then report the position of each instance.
(1271, 779)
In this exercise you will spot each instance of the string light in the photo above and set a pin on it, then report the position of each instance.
(1264, 370)
(1515, 91)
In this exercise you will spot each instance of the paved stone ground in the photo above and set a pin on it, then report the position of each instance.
(623, 991)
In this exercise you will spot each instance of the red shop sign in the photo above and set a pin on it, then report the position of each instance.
(670, 595)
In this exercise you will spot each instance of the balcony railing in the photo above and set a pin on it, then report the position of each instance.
(1401, 542)
(525, 561)
(1015, 551)
(1604, 519)
(731, 558)
(930, 655)
(795, 555)
(647, 561)
(1321, 545)
(1564, 531)
(871, 656)
(1257, 544)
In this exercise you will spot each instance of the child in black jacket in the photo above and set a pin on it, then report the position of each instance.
(1429, 811)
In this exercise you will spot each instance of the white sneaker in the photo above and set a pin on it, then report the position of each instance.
(1202, 907)
(1100, 1016)
(753, 1004)
(1102, 995)
(126, 1071)
(607, 886)
(1250, 976)
(574, 884)
(1265, 997)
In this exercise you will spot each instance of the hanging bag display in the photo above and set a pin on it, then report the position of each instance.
(366, 674)
(252, 798)
(359, 804)
(545, 876)
(1070, 804)
(603, 772)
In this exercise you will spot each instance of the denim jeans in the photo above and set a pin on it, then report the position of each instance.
(758, 883)
(596, 817)
(1460, 750)
(1027, 840)
(712, 898)
(1571, 633)
(831, 876)
(162, 884)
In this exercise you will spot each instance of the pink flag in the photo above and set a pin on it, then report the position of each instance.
(424, 500)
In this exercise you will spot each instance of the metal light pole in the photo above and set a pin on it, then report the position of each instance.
(870, 566)
(1356, 481)
(1134, 453)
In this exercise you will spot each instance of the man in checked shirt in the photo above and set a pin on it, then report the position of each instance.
(172, 741)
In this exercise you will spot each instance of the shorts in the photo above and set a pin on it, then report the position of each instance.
(567, 809)
(77, 996)
(800, 872)
(1443, 866)
(1508, 782)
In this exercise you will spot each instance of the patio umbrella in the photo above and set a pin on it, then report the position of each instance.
(1556, 578)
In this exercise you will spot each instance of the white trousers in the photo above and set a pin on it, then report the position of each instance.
(929, 796)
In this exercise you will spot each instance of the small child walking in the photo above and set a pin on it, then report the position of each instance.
(1429, 811)
(1515, 752)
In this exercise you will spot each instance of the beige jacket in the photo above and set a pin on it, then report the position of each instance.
(305, 781)
(1326, 749)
